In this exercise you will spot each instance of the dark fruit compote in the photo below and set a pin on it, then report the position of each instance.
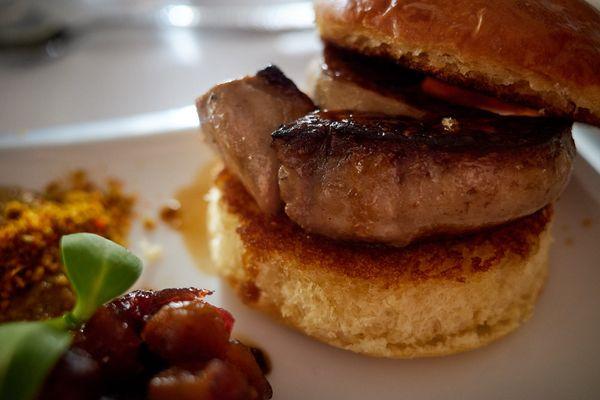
(167, 344)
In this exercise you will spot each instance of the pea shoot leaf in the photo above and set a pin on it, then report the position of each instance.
(99, 271)
(28, 351)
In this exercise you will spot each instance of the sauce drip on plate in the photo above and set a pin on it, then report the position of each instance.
(192, 215)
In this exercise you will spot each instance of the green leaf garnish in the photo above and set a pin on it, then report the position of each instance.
(28, 351)
(99, 271)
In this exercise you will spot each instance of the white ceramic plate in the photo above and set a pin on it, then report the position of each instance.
(556, 355)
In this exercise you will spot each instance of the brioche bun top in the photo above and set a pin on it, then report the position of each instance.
(540, 53)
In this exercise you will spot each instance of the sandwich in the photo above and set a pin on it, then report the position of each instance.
(404, 209)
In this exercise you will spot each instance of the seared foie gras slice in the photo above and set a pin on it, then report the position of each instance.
(350, 81)
(238, 118)
(347, 81)
(366, 177)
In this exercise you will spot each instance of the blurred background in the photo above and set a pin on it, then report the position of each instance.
(70, 61)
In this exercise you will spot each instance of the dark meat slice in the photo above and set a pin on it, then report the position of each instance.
(238, 117)
(351, 81)
(374, 178)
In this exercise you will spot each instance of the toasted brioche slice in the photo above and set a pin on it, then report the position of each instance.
(541, 53)
(429, 299)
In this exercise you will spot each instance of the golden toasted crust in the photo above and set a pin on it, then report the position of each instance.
(427, 299)
(542, 53)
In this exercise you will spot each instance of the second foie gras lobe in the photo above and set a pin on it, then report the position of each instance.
(238, 118)
(395, 180)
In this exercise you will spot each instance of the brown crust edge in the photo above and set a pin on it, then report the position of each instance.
(455, 258)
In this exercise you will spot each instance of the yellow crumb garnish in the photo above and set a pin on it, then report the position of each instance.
(149, 223)
(31, 226)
